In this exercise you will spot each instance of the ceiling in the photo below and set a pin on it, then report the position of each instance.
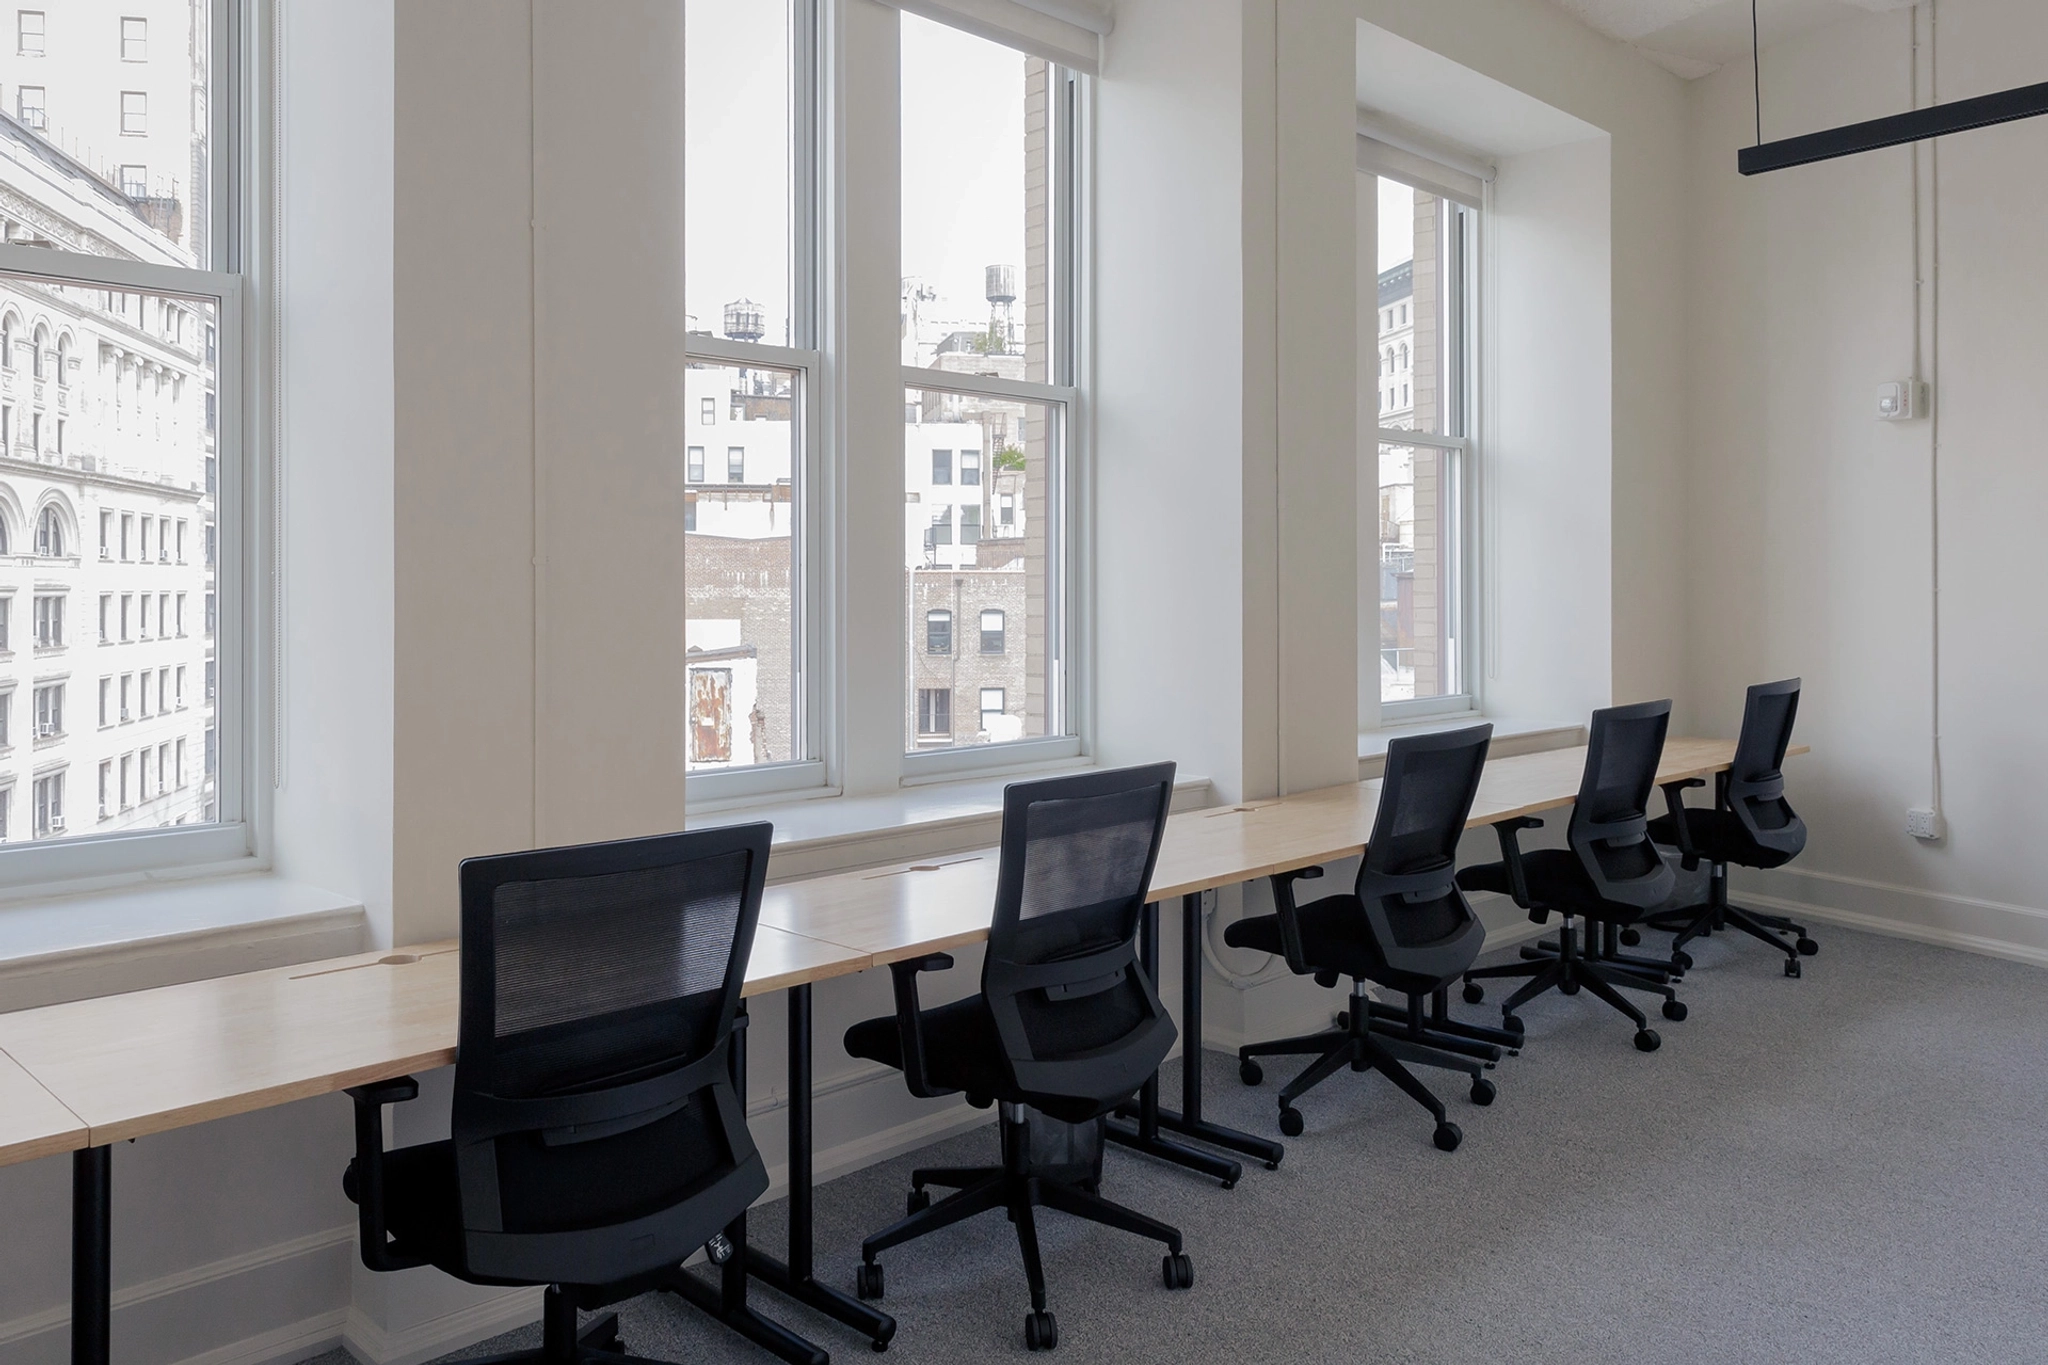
(1693, 37)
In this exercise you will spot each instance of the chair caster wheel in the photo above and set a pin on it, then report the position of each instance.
(1807, 947)
(1483, 1091)
(878, 1346)
(1630, 938)
(1647, 1040)
(918, 1202)
(1041, 1333)
(867, 1280)
(1792, 966)
(1568, 987)
(1250, 1072)
(1177, 1271)
(1290, 1121)
(1448, 1136)
(1674, 1010)
(1474, 992)
(1682, 960)
(1511, 1022)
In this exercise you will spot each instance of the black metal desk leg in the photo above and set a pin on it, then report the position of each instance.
(1189, 1121)
(92, 1247)
(1145, 1136)
(728, 1302)
(798, 1278)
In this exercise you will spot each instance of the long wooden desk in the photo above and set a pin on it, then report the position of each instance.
(77, 1077)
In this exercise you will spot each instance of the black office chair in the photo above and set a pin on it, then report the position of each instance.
(597, 1141)
(1066, 1027)
(1405, 926)
(1611, 875)
(1751, 825)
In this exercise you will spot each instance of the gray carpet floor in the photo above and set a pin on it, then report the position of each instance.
(1849, 1167)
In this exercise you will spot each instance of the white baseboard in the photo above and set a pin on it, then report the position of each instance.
(367, 1340)
(42, 1334)
(2018, 933)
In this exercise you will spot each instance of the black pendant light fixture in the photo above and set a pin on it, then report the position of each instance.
(1958, 116)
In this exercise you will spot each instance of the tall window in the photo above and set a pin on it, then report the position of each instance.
(987, 253)
(938, 632)
(935, 714)
(992, 631)
(122, 333)
(749, 171)
(1426, 253)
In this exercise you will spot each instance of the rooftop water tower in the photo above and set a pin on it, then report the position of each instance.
(1000, 288)
(745, 320)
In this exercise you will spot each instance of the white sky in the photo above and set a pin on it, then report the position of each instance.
(1397, 223)
(963, 159)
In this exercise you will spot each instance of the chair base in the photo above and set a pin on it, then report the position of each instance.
(1362, 1043)
(1020, 1188)
(1568, 970)
(562, 1343)
(1697, 921)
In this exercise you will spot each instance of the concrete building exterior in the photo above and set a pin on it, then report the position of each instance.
(108, 408)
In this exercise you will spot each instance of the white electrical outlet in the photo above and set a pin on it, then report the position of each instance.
(1924, 822)
(1901, 400)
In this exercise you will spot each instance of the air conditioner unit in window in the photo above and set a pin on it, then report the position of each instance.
(106, 553)
(45, 729)
(56, 824)
(124, 713)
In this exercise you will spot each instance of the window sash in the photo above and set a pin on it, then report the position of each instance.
(81, 855)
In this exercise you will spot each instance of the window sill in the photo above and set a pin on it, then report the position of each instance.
(96, 943)
(819, 835)
(1510, 737)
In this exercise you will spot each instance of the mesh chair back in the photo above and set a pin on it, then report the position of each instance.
(1077, 1016)
(597, 1134)
(1610, 824)
(1407, 881)
(1755, 786)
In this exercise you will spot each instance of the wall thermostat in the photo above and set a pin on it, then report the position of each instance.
(1901, 400)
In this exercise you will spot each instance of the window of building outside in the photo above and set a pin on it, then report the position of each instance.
(1426, 254)
(935, 712)
(117, 343)
(992, 631)
(986, 252)
(750, 238)
(992, 715)
(938, 632)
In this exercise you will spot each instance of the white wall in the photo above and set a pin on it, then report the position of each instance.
(1809, 523)
(1548, 458)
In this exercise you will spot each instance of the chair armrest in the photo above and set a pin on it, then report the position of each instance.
(1509, 833)
(364, 1181)
(1286, 912)
(910, 1018)
(1674, 801)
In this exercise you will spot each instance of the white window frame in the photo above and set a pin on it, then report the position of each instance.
(243, 484)
(1068, 570)
(811, 416)
(1465, 449)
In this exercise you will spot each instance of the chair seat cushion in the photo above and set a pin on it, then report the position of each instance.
(1719, 837)
(1336, 936)
(962, 1051)
(1557, 881)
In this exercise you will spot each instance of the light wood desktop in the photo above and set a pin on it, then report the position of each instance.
(33, 1122)
(911, 909)
(148, 1061)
